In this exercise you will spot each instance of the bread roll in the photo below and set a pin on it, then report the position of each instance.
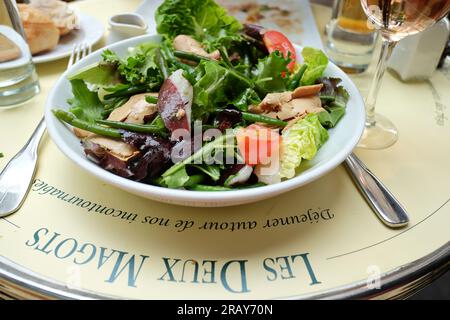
(64, 18)
(41, 32)
(8, 49)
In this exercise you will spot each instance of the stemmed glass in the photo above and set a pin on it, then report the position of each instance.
(395, 20)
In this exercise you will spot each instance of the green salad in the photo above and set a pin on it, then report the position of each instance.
(212, 106)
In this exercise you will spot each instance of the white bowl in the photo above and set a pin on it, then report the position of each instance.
(343, 138)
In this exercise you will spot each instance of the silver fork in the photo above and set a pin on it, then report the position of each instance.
(17, 176)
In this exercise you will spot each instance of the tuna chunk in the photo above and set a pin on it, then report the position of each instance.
(111, 154)
(305, 91)
(288, 105)
(135, 109)
(297, 107)
(186, 43)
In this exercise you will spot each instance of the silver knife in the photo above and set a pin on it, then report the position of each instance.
(381, 200)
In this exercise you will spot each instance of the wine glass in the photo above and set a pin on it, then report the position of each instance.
(395, 20)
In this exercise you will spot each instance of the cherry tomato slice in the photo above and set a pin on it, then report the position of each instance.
(275, 40)
(258, 144)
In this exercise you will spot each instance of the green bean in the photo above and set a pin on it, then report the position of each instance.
(167, 54)
(190, 56)
(295, 81)
(204, 187)
(127, 92)
(161, 63)
(264, 119)
(141, 128)
(170, 58)
(116, 103)
(151, 99)
(81, 124)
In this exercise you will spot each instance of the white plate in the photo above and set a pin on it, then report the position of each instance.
(342, 140)
(300, 26)
(90, 32)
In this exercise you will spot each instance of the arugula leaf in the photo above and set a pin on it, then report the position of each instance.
(214, 88)
(246, 98)
(271, 73)
(85, 104)
(204, 20)
(213, 171)
(317, 62)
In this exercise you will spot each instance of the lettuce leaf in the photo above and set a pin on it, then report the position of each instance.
(335, 109)
(85, 104)
(301, 141)
(246, 98)
(215, 87)
(330, 118)
(139, 66)
(317, 62)
(204, 20)
(271, 73)
(332, 87)
(176, 180)
(100, 73)
(181, 178)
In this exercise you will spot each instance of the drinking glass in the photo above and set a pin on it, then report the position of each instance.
(350, 39)
(395, 19)
(18, 78)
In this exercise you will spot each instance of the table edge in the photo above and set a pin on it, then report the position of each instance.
(18, 282)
